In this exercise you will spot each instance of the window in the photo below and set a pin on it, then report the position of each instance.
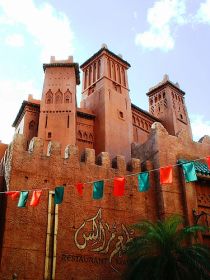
(68, 121)
(31, 125)
(58, 97)
(49, 97)
(68, 97)
(49, 135)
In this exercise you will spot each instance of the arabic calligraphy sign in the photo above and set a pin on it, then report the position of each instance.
(99, 237)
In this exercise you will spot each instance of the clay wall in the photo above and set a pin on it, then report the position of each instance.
(31, 123)
(141, 126)
(85, 133)
(163, 150)
(3, 148)
(78, 251)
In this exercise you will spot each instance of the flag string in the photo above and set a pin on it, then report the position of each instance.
(107, 179)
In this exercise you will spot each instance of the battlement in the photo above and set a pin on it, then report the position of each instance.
(39, 165)
(36, 152)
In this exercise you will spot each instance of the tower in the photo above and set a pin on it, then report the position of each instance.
(57, 120)
(166, 102)
(105, 91)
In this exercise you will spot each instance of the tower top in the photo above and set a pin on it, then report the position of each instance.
(63, 63)
(164, 82)
(104, 49)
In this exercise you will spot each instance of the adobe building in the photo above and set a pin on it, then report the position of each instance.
(58, 143)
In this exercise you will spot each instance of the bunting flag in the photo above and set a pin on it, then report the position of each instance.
(189, 172)
(80, 187)
(98, 189)
(119, 186)
(13, 194)
(35, 198)
(59, 192)
(23, 199)
(208, 162)
(143, 181)
(166, 175)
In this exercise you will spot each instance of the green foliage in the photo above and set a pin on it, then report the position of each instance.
(163, 251)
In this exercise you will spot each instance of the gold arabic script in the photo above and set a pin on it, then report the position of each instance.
(100, 237)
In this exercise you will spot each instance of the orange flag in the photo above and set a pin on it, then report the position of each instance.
(35, 198)
(166, 175)
(119, 186)
(13, 194)
(79, 187)
(208, 162)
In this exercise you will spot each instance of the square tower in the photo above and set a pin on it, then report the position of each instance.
(106, 93)
(58, 104)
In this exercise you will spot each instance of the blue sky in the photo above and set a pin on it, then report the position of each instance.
(155, 37)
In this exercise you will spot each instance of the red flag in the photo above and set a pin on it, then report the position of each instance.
(166, 175)
(208, 162)
(119, 186)
(35, 198)
(80, 188)
(13, 194)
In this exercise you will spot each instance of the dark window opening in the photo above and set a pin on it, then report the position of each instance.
(46, 121)
(68, 122)
(49, 134)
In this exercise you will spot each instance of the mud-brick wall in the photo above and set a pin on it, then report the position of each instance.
(163, 150)
(91, 234)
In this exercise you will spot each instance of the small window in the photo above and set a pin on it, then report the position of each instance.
(121, 114)
(49, 134)
(181, 117)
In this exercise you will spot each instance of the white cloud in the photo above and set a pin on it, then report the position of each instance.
(15, 40)
(50, 29)
(162, 17)
(203, 13)
(12, 94)
(200, 127)
(161, 39)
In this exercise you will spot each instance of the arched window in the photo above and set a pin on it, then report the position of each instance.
(90, 75)
(85, 136)
(31, 125)
(86, 78)
(109, 68)
(58, 97)
(94, 72)
(49, 97)
(99, 69)
(68, 96)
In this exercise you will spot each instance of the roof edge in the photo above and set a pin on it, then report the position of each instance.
(99, 52)
(64, 64)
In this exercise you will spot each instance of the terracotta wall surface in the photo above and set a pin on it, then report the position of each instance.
(163, 150)
(58, 104)
(3, 148)
(92, 233)
(109, 216)
(141, 126)
(85, 131)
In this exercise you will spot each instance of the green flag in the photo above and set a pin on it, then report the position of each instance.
(189, 172)
(143, 181)
(23, 199)
(59, 191)
(98, 189)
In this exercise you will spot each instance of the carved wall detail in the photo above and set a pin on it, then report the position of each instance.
(96, 235)
(203, 199)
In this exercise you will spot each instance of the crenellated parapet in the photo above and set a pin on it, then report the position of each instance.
(40, 165)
